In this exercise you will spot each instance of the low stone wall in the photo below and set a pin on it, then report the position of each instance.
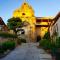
(3, 39)
(6, 39)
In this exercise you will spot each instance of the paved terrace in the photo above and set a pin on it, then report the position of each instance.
(28, 51)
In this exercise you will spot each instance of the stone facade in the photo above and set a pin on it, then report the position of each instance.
(55, 27)
(26, 13)
(3, 26)
(37, 26)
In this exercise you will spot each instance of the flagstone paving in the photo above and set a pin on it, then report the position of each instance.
(28, 51)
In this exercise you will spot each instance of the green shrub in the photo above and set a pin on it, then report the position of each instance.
(1, 49)
(58, 42)
(46, 44)
(19, 41)
(53, 48)
(47, 36)
(23, 40)
(8, 45)
(12, 45)
(7, 35)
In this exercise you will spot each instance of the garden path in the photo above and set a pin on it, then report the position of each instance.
(28, 51)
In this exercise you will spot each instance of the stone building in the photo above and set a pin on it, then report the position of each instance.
(55, 27)
(3, 26)
(37, 26)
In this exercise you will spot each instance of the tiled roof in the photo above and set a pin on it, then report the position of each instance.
(56, 18)
(1, 21)
(42, 19)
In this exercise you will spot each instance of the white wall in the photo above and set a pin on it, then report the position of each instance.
(58, 23)
(56, 27)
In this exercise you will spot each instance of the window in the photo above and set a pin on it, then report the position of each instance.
(57, 27)
(20, 31)
(0, 27)
(23, 13)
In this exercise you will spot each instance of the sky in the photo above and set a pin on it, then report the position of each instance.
(42, 8)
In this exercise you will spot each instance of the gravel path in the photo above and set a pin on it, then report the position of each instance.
(28, 51)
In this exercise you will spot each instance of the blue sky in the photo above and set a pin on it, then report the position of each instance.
(42, 8)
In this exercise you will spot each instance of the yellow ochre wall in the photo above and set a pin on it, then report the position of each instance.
(26, 13)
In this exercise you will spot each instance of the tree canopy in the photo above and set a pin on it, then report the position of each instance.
(14, 23)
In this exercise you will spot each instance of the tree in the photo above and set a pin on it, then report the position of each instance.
(14, 23)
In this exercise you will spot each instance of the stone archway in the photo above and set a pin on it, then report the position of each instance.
(29, 33)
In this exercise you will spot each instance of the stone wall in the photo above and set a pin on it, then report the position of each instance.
(3, 39)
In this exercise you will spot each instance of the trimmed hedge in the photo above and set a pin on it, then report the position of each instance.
(46, 44)
(58, 42)
(23, 40)
(1, 49)
(8, 45)
(7, 35)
